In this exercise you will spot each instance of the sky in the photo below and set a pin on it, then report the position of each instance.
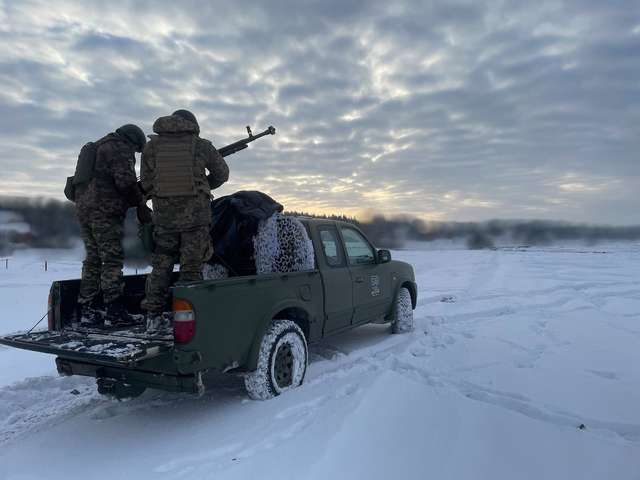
(440, 110)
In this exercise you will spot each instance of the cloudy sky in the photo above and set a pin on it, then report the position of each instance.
(446, 111)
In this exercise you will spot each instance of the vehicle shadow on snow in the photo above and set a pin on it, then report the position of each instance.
(348, 343)
(57, 400)
(226, 390)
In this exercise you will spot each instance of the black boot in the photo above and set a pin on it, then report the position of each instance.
(159, 323)
(91, 317)
(117, 315)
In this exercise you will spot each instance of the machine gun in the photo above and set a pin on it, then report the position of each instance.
(237, 146)
(244, 143)
(145, 227)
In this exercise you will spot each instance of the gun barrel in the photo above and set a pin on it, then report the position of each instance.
(244, 143)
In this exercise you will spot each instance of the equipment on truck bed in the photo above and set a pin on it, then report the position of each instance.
(235, 221)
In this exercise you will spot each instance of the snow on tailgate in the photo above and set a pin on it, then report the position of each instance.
(118, 345)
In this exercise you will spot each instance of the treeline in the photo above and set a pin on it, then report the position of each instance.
(53, 224)
(521, 232)
(396, 232)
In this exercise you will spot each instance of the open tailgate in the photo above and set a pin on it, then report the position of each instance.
(121, 347)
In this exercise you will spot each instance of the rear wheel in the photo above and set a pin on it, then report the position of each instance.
(404, 312)
(282, 361)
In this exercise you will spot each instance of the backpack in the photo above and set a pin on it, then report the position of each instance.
(84, 171)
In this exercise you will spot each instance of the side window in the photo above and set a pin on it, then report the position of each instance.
(330, 247)
(358, 250)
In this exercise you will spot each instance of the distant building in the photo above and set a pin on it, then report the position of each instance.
(14, 231)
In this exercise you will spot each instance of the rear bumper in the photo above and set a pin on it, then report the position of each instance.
(191, 383)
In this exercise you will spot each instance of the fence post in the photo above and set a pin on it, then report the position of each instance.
(6, 264)
(45, 265)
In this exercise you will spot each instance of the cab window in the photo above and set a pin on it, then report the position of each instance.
(330, 247)
(358, 249)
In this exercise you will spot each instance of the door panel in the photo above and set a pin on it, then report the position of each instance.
(338, 294)
(371, 288)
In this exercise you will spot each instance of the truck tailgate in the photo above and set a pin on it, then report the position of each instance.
(122, 347)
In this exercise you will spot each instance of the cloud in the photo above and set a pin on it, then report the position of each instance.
(444, 110)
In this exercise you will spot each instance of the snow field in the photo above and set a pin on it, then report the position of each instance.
(513, 351)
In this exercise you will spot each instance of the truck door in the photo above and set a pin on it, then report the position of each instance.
(338, 299)
(371, 288)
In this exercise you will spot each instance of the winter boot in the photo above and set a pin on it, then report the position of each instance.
(159, 323)
(117, 315)
(91, 316)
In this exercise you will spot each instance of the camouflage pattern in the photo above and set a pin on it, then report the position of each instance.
(181, 213)
(181, 223)
(101, 208)
(114, 186)
(102, 266)
(190, 249)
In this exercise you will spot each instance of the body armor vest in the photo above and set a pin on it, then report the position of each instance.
(175, 166)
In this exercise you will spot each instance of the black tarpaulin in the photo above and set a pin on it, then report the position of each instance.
(235, 222)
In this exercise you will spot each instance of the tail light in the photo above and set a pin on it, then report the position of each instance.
(184, 321)
(50, 318)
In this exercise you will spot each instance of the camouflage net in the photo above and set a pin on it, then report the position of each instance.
(214, 272)
(282, 245)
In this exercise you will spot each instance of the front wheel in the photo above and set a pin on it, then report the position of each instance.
(282, 361)
(403, 322)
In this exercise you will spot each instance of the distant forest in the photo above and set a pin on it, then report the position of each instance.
(396, 232)
(53, 224)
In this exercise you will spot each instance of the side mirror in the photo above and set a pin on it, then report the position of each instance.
(384, 256)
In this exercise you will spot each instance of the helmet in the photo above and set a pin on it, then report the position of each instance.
(134, 135)
(187, 115)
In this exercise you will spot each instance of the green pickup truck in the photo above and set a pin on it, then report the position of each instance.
(255, 326)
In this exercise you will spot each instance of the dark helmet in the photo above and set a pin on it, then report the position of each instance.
(134, 135)
(187, 115)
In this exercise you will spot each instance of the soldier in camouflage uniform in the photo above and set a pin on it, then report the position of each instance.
(101, 207)
(173, 176)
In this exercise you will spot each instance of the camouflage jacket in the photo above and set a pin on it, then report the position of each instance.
(114, 187)
(179, 213)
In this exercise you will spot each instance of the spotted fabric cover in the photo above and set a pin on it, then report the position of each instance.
(282, 245)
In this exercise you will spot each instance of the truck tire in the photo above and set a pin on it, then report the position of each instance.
(282, 361)
(403, 322)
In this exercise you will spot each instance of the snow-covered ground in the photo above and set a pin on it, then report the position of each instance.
(514, 350)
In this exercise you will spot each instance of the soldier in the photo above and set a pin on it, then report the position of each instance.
(101, 206)
(173, 176)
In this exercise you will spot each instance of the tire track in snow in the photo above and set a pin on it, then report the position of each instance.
(38, 403)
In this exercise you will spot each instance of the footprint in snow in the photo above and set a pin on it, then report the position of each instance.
(301, 410)
(604, 374)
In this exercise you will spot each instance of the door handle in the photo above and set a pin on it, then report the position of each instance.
(359, 279)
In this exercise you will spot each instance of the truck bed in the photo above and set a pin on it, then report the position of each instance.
(67, 338)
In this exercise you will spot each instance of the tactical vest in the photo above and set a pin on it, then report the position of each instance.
(176, 170)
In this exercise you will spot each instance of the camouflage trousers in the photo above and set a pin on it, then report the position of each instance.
(190, 249)
(102, 266)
